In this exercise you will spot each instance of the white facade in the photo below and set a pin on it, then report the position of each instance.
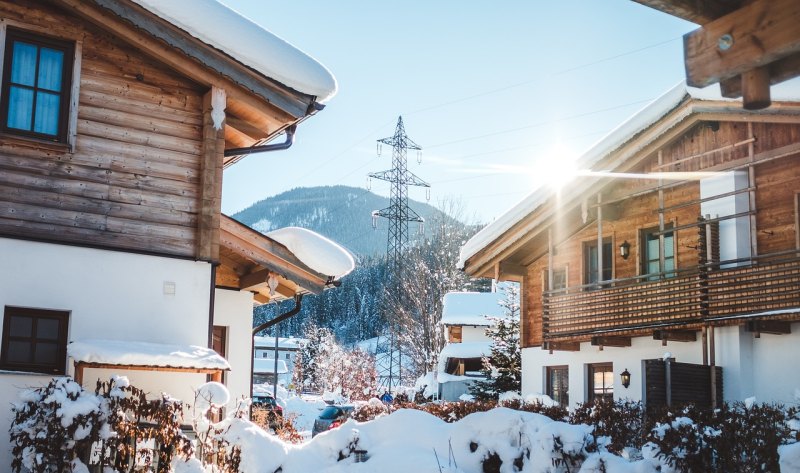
(234, 311)
(112, 295)
(749, 365)
(471, 333)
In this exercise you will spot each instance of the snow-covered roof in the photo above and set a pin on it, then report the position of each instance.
(471, 308)
(788, 91)
(290, 343)
(136, 353)
(463, 350)
(315, 251)
(223, 28)
(267, 365)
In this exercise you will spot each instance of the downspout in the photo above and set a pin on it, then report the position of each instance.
(264, 148)
(298, 300)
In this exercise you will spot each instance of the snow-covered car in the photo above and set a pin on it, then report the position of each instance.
(330, 418)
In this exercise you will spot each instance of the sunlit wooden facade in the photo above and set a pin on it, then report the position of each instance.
(689, 225)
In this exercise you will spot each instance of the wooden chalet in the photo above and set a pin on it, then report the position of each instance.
(679, 246)
(117, 118)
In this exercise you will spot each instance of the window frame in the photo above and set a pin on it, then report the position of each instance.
(57, 368)
(586, 261)
(608, 390)
(69, 48)
(644, 233)
(549, 371)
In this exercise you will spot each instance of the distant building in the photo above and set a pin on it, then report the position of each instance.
(465, 318)
(264, 349)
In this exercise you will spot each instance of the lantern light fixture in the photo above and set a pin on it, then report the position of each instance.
(625, 249)
(625, 376)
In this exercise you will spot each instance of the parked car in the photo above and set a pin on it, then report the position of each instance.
(267, 402)
(330, 418)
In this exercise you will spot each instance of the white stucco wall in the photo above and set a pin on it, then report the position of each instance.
(762, 367)
(234, 310)
(471, 333)
(535, 360)
(112, 295)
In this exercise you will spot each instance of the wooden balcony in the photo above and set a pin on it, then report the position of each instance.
(768, 286)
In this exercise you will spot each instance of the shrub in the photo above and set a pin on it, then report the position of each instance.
(620, 421)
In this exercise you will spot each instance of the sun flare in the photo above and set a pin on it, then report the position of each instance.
(556, 168)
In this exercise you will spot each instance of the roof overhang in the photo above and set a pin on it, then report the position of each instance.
(258, 108)
(251, 261)
(495, 250)
(745, 45)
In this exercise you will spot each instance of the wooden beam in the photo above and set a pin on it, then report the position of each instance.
(561, 346)
(779, 71)
(750, 37)
(249, 282)
(675, 335)
(210, 192)
(611, 341)
(696, 11)
(261, 298)
(247, 128)
(513, 272)
(755, 89)
(774, 327)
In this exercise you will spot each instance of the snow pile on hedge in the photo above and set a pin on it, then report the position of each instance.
(412, 440)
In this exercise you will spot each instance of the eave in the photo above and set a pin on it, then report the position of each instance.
(746, 46)
(249, 259)
(258, 108)
(502, 257)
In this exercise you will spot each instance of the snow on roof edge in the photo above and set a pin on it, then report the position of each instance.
(315, 251)
(141, 353)
(222, 27)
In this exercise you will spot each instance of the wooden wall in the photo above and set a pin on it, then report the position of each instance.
(132, 180)
(777, 182)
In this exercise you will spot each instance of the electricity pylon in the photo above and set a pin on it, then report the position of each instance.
(399, 215)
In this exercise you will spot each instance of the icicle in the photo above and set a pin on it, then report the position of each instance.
(428, 194)
(419, 156)
(218, 103)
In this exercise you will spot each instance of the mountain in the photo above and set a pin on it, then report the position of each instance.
(341, 213)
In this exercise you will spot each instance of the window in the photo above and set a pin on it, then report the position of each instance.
(288, 356)
(558, 384)
(651, 259)
(601, 381)
(37, 74)
(590, 262)
(559, 279)
(34, 340)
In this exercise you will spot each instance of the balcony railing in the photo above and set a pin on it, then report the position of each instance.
(716, 291)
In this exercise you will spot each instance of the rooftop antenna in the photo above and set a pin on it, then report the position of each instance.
(399, 215)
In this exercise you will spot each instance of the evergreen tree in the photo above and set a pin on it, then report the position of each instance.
(503, 368)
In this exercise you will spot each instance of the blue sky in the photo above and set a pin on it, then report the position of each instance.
(496, 93)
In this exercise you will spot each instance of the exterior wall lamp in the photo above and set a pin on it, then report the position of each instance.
(625, 376)
(625, 249)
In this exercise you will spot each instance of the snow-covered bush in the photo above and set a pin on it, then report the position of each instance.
(619, 423)
(55, 426)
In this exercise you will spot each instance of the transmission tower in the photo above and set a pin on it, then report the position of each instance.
(399, 215)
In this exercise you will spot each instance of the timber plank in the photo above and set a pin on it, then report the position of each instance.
(137, 121)
(133, 136)
(67, 169)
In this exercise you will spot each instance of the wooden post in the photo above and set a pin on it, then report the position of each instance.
(599, 240)
(216, 376)
(79, 373)
(210, 196)
(751, 183)
(550, 258)
(661, 256)
(755, 88)
(713, 370)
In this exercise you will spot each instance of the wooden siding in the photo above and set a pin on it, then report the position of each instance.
(132, 180)
(688, 384)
